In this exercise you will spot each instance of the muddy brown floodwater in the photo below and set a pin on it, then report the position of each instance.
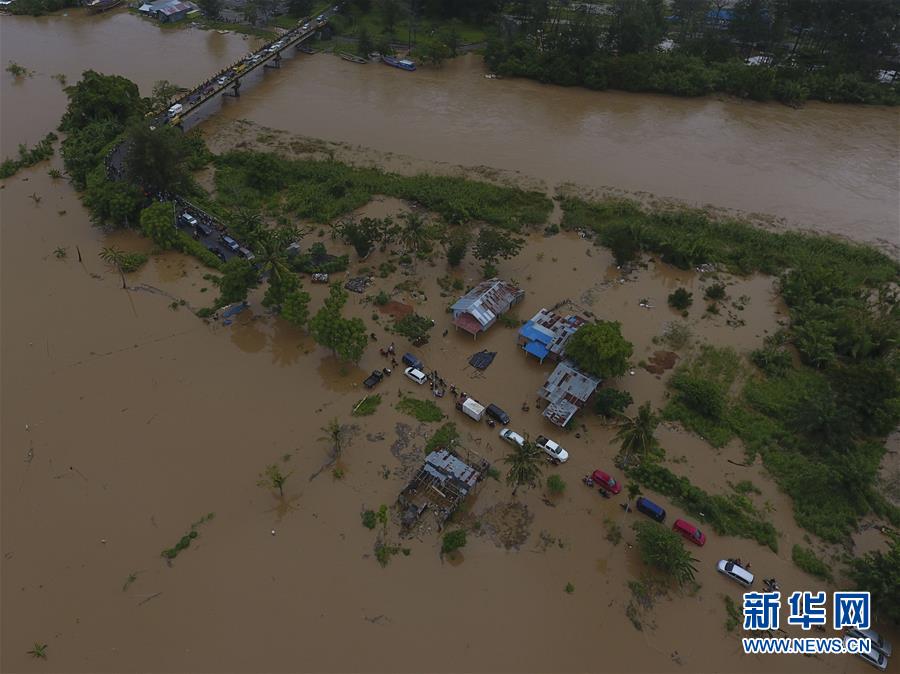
(124, 420)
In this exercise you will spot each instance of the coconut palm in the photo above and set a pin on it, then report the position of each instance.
(271, 254)
(636, 433)
(415, 233)
(334, 433)
(526, 464)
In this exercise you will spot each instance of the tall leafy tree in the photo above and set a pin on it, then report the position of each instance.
(493, 243)
(879, 573)
(157, 158)
(637, 25)
(271, 252)
(600, 349)
(664, 550)
(158, 224)
(238, 277)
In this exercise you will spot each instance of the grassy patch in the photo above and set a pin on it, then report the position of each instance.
(185, 541)
(322, 190)
(423, 410)
(444, 437)
(28, 156)
(731, 514)
(807, 560)
(367, 406)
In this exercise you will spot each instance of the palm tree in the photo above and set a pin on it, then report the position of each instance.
(526, 464)
(116, 258)
(636, 433)
(334, 433)
(415, 233)
(271, 253)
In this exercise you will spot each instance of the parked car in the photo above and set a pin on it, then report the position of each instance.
(607, 481)
(556, 453)
(231, 243)
(873, 656)
(189, 219)
(217, 252)
(737, 573)
(373, 379)
(320, 277)
(512, 437)
(878, 641)
(222, 80)
(650, 509)
(202, 229)
(246, 253)
(690, 532)
(416, 375)
(497, 414)
(412, 361)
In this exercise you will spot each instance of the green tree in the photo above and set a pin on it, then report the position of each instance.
(364, 43)
(415, 233)
(453, 541)
(600, 349)
(211, 8)
(879, 573)
(157, 158)
(637, 25)
(158, 224)
(361, 233)
(610, 402)
(273, 478)
(636, 434)
(390, 13)
(113, 203)
(238, 276)
(99, 97)
(526, 463)
(324, 323)
(664, 550)
(299, 8)
(246, 225)
(457, 246)
(163, 92)
(681, 299)
(295, 308)
(494, 244)
(351, 339)
(271, 252)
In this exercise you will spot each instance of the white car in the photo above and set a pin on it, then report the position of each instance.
(878, 641)
(737, 573)
(304, 27)
(556, 453)
(189, 219)
(874, 657)
(512, 437)
(416, 375)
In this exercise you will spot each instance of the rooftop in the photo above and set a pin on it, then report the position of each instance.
(566, 391)
(547, 332)
(486, 301)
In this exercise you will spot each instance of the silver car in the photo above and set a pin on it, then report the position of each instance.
(874, 657)
(878, 641)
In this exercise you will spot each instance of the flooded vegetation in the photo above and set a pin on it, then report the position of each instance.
(204, 443)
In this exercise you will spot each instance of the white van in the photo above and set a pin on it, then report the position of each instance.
(175, 110)
(416, 375)
(737, 573)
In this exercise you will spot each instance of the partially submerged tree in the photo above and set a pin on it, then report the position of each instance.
(494, 244)
(664, 550)
(600, 349)
(526, 463)
(272, 478)
(636, 434)
(238, 276)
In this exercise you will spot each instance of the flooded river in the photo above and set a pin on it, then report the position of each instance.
(827, 167)
(125, 418)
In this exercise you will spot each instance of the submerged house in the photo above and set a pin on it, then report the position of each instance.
(169, 11)
(566, 391)
(441, 485)
(479, 308)
(546, 334)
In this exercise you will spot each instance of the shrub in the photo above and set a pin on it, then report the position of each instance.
(681, 299)
(423, 410)
(663, 549)
(367, 406)
(368, 519)
(715, 292)
(609, 402)
(807, 560)
(556, 485)
(443, 438)
(701, 395)
(381, 298)
(453, 541)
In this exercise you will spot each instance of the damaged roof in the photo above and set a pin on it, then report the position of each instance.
(444, 465)
(488, 300)
(566, 390)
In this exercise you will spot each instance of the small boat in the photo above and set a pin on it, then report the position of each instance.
(403, 64)
(353, 58)
(97, 6)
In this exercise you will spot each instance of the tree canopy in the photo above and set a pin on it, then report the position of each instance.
(600, 349)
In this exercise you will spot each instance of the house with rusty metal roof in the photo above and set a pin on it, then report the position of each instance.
(566, 391)
(546, 334)
(478, 309)
(441, 485)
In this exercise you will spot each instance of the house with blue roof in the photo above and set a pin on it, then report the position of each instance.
(546, 334)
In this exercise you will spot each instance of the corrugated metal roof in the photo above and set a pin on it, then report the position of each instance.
(488, 300)
(444, 465)
(565, 388)
(559, 328)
